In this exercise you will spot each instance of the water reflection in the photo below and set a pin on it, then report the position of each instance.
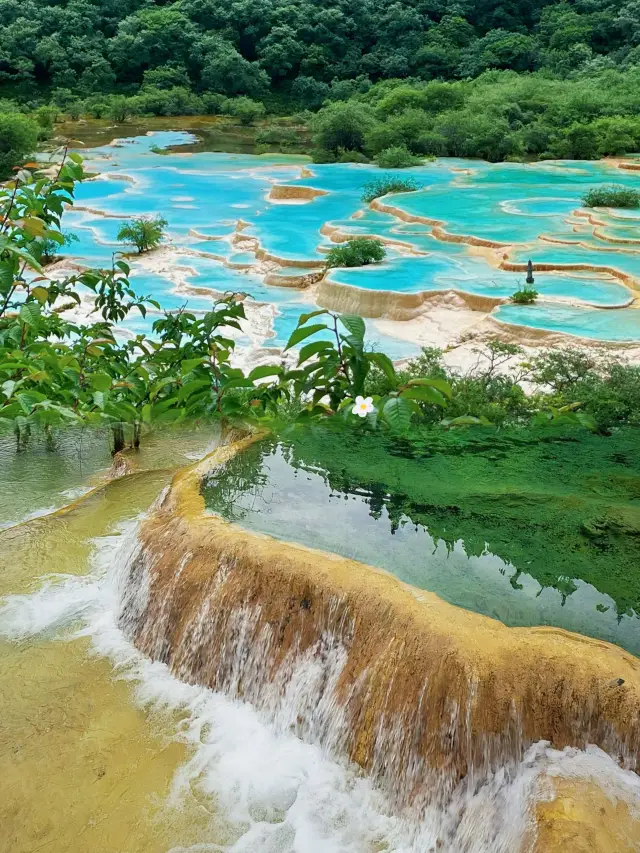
(270, 489)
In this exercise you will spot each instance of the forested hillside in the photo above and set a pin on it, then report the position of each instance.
(498, 79)
(305, 47)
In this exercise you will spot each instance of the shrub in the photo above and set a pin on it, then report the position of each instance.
(352, 157)
(244, 109)
(18, 138)
(49, 249)
(359, 252)
(285, 137)
(525, 296)
(321, 155)
(397, 157)
(96, 107)
(213, 103)
(388, 184)
(611, 196)
(120, 108)
(144, 234)
(46, 117)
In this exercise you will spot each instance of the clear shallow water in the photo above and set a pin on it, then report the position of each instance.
(271, 489)
(620, 325)
(206, 194)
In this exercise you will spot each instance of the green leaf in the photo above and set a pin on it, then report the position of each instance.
(189, 364)
(34, 227)
(397, 413)
(466, 420)
(440, 385)
(30, 313)
(75, 157)
(304, 318)
(100, 381)
(300, 334)
(8, 388)
(190, 388)
(385, 364)
(29, 399)
(240, 382)
(41, 294)
(312, 349)
(265, 370)
(101, 398)
(354, 325)
(424, 394)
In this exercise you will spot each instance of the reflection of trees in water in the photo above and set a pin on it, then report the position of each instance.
(227, 489)
(504, 525)
(478, 530)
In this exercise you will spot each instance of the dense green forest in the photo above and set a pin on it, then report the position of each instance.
(500, 79)
(308, 48)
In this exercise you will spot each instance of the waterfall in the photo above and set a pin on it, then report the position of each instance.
(437, 705)
(278, 771)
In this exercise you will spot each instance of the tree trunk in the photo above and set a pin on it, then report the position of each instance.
(137, 429)
(118, 438)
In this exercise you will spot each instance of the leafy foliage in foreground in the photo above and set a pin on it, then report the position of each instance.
(612, 196)
(564, 387)
(55, 371)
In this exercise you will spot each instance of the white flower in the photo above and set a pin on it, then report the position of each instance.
(363, 406)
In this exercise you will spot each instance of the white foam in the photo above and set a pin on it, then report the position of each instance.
(280, 794)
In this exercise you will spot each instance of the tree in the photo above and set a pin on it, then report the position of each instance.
(500, 49)
(18, 138)
(309, 92)
(166, 77)
(244, 109)
(342, 126)
(144, 234)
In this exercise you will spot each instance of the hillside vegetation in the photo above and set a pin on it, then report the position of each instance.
(523, 79)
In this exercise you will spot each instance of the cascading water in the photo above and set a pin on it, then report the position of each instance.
(287, 678)
(277, 774)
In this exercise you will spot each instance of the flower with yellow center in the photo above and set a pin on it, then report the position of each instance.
(363, 406)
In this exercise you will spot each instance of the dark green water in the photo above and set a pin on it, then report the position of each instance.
(540, 533)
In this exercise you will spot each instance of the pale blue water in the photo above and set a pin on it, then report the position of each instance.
(206, 195)
(622, 325)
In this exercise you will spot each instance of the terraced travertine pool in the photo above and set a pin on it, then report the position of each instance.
(227, 232)
(527, 532)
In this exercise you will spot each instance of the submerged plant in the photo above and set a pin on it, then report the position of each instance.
(143, 233)
(385, 186)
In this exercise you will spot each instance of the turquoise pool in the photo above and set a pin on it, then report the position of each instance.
(206, 196)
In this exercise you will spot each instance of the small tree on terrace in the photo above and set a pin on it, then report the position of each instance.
(359, 252)
(145, 234)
